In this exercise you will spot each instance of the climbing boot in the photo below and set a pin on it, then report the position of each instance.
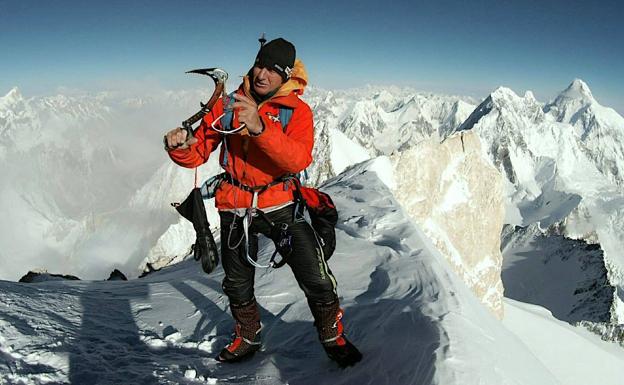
(328, 322)
(246, 339)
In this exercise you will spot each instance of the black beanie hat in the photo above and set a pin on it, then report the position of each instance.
(278, 55)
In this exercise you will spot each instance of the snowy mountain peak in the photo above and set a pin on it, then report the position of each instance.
(384, 99)
(570, 103)
(13, 97)
(503, 92)
(13, 93)
(507, 104)
(576, 106)
(504, 98)
(578, 90)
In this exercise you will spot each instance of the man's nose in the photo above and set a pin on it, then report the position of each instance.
(263, 73)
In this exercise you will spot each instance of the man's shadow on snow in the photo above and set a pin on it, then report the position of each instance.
(212, 316)
(405, 339)
(398, 341)
(108, 348)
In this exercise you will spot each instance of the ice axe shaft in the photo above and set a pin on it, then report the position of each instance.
(220, 77)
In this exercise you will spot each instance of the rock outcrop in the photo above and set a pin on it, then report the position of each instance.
(456, 196)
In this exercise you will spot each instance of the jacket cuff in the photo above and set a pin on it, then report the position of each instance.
(261, 131)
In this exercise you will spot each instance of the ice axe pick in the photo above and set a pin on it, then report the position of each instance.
(220, 77)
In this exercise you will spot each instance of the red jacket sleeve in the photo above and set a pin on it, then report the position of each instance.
(290, 151)
(207, 141)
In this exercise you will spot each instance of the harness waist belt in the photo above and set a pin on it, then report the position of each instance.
(256, 189)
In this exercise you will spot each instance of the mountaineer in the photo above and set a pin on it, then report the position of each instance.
(254, 196)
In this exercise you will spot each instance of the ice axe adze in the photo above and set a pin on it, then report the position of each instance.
(220, 77)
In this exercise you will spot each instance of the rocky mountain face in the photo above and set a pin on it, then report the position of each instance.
(441, 186)
(535, 262)
(563, 165)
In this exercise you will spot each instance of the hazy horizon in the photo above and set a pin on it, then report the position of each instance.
(448, 46)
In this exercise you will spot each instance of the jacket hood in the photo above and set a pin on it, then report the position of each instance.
(297, 82)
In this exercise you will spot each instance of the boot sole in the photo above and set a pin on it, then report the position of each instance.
(235, 359)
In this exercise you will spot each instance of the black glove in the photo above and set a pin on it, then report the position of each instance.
(206, 251)
(205, 248)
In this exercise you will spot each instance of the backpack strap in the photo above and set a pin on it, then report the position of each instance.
(209, 188)
(226, 125)
(226, 119)
(285, 114)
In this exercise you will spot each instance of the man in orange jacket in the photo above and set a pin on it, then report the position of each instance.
(258, 156)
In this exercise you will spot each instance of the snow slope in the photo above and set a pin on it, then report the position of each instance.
(402, 302)
(574, 355)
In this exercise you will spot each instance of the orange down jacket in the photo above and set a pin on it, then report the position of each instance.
(258, 160)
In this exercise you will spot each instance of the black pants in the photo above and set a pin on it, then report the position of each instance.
(306, 261)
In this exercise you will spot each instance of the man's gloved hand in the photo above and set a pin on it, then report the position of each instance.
(205, 250)
(177, 139)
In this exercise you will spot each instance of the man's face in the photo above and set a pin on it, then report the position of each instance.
(265, 80)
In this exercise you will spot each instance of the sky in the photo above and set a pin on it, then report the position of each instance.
(444, 46)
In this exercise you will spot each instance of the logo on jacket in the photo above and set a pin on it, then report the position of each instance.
(274, 118)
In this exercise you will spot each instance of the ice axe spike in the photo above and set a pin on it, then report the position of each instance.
(262, 40)
(220, 77)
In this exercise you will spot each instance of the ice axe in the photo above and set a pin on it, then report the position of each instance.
(220, 77)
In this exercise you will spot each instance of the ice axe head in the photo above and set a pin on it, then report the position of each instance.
(217, 74)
